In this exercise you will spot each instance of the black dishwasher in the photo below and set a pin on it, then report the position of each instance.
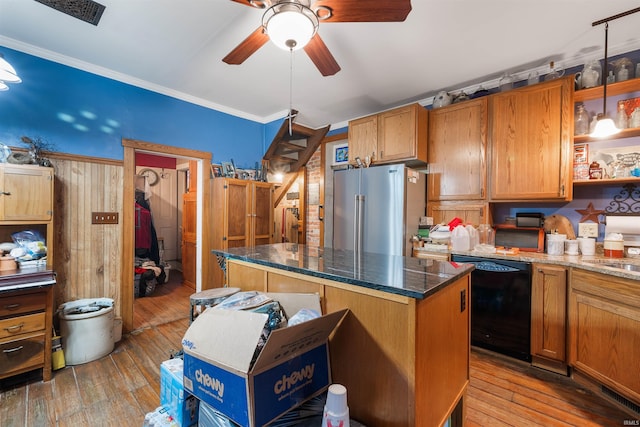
(500, 305)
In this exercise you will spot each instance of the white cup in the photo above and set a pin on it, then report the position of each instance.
(587, 245)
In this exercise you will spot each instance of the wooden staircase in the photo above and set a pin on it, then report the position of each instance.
(290, 150)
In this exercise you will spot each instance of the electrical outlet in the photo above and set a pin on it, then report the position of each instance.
(588, 229)
(104, 217)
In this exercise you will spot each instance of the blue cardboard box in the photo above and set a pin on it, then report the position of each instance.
(292, 367)
(182, 406)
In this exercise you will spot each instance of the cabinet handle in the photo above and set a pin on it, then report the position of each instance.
(11, 307)
(320, 213)
(14, 328)
(5, 193)
(12, 350)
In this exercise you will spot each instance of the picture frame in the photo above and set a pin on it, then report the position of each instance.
(340, 154)
(216, 171)
(228, 170)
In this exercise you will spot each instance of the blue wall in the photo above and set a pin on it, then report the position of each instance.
(82, 113)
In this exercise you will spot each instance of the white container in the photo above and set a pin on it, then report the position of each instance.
(336, 411)
(460, 239)
(86, 327)
(571, 247)
(587, 245)
(555, 244)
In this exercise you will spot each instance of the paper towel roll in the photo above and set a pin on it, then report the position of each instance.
(627, 224)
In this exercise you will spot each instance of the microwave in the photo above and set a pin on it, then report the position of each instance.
(527, 239)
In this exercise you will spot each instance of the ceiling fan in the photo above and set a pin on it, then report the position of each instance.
(283, 16)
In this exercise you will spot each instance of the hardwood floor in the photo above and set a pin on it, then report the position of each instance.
(119, 389)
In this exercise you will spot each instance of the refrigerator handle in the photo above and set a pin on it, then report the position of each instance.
(358, 223)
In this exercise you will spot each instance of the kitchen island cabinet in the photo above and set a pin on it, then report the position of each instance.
(403, 349)
(531, 142)
(604, 333)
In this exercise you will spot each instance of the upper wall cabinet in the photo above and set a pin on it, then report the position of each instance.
(26, 193)
(393, 136)
(458, 151)
(531, 142)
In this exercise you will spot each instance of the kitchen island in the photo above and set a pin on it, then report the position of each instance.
(403, 349)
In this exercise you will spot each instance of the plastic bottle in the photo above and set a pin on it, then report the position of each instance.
(336, 411)
(460, 238)
(474, 238)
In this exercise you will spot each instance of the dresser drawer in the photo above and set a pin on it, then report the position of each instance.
(14, 326)
(21, 355)
(19, 303)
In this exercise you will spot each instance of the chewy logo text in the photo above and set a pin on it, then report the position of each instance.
(213, 383)
(287, 382)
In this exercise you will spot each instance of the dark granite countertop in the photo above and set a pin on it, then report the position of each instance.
(27, 278)
(407, 276)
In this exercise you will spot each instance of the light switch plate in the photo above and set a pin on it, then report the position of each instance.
(104, 217)
(587, 229)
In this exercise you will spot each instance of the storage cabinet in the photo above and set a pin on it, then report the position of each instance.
(531, 132)
(457, 151)
(471, 212)
(393, 136)
(26, 193)
(548, 317)
(25, 330)
(604, 330)
(243, 216)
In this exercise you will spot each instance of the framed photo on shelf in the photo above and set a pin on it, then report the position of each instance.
(340, 154)
(216, 171)
(228, 170)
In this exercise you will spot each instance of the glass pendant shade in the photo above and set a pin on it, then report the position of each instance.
(604, 127)
(291, 25)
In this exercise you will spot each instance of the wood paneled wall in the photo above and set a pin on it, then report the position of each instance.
(87, 256)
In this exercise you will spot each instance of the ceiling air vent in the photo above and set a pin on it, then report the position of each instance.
(84, 10)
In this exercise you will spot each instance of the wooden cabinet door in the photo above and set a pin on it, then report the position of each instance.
(604, 330)
(397, 134)
(238, 213)
(26, 193)
(469, 213)
(531, 142)
(549, 312)
(262, 213)
(458, 151)
(363, 138)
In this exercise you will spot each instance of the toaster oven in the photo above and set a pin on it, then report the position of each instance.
(527, 239)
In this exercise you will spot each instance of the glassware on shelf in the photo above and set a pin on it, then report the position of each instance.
(555, 72)
(623, 69)
(594, 121)
(611, 78)
(622, 74)
(581, 121)
(533, 78)
(634, 120)
(590, 75)
(506, 82)
(622, 121)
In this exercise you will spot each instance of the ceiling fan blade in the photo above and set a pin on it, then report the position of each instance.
(364, 11)
(258, 4)
(320, 55)
(247, 48)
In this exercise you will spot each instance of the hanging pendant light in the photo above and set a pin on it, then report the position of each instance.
(605, 126)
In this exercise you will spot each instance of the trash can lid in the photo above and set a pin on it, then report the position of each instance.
(83, 306)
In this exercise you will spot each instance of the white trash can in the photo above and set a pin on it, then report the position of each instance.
(86, 327)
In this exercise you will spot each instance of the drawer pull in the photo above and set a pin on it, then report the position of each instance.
(13, 350)
(14, 328)
(11, 306)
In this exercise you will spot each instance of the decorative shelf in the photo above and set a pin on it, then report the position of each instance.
(627, 86)
(624, 133)
(633, 180)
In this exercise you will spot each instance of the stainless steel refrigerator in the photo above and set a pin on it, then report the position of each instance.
(377, 209)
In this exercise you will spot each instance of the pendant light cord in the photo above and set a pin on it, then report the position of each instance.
(291, 92)
(605, 73)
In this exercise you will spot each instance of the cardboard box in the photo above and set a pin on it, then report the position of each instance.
(292, 367)
(182, 406)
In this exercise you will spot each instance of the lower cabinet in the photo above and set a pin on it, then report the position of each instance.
(604, 333)
(549, 317)
(25, 331)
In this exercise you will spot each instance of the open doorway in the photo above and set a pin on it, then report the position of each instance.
(201, 181)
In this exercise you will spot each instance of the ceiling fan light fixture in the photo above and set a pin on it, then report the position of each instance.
(7, 72)
(290, 25)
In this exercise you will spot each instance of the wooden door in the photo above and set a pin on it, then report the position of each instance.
(238, 214)
(262, 214)
(189, 228)
(458, 151)
(531, 144)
